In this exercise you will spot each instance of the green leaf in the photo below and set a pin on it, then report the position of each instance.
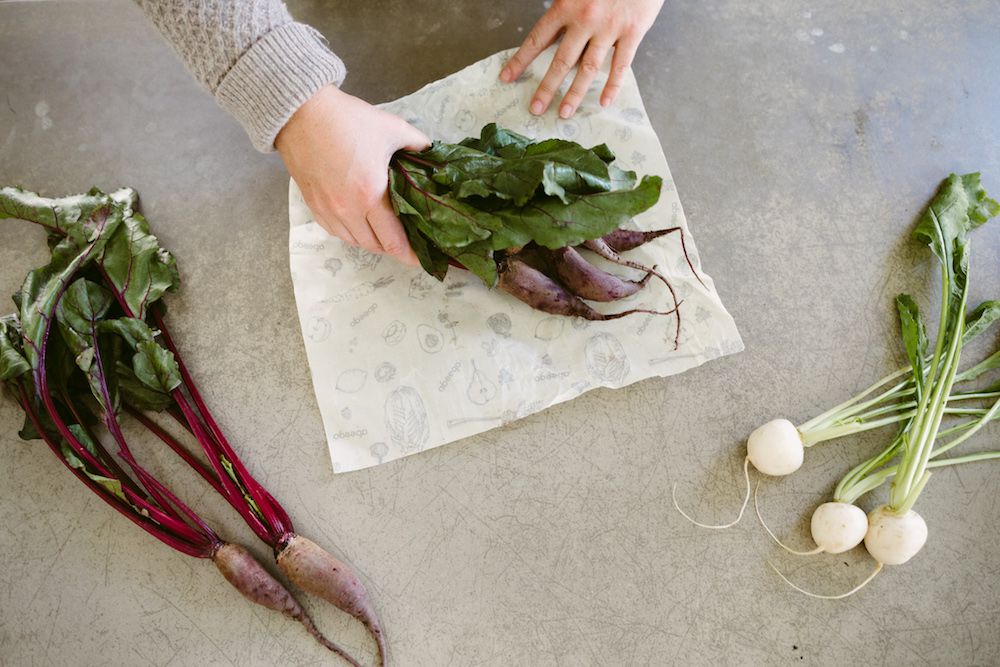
(550, 223)
(83, 305)
(914, 337)
(131, 330)
(137, 394)
(555, 166)
(478, 259)
(153, 365)
(44, 287)
(137, 266)
(12, 361)
(156, 367)
(960, 205)
(80, 314)
(980, 319)
(72, 216)
(442, 218)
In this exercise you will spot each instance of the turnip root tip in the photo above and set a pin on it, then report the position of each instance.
(315, 571)
(776, 448)
(746, 499)
(249, 577)
(894, 538)
(756, 507)
(835, 527)
(841, 596)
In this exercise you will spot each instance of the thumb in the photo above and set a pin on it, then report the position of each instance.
(414, 139)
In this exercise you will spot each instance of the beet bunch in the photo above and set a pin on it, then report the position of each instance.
(517, 213)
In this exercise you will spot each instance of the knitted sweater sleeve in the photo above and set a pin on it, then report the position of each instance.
(251, 55)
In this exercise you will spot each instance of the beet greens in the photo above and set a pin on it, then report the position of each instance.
(482, 203)
(89, 346)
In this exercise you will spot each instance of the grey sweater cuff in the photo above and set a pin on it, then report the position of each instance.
(276, 75)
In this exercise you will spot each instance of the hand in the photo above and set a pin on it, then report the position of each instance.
(589, 29)
(337, 148)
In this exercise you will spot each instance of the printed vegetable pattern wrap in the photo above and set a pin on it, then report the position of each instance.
(402, 363)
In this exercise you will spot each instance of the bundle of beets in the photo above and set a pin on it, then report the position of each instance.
(515, 212)
(88, 347)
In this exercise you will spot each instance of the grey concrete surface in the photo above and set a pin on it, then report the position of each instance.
(803, 136)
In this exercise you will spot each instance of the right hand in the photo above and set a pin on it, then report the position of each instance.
(337, 148)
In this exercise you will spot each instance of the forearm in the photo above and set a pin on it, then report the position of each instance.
(251, 55)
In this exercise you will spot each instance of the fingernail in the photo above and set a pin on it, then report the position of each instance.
(605, 101)
(536, 107)
(566, 111)
(505, 75)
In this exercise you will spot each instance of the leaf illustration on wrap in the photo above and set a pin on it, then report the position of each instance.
(606, 358)
(406, 419)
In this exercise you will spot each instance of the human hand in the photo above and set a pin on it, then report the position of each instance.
(337, 148)
(589, 28)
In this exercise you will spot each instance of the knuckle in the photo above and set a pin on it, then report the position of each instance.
(590, 66)
(561, 63)
(545, 90)
(533, 41)
(572, 99)
(394, 247)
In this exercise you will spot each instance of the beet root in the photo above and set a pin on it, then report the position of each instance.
(249, 577)
(315, 571)
(589, 282)
(543, 293)
(621, 240)
(600, 247)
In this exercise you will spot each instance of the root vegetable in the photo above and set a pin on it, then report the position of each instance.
(315, 571)
(249, 577)
(893, 538)
(622, 240)
(775, 448)
(589, 282)
(543, 293)
(601, 248)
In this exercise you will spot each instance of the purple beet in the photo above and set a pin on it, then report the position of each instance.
(315, 571)
(543, 293)
(589, 282)
(600, 247)
(629, 239)
(249, 577)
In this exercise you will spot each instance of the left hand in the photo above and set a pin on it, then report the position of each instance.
(590, 29)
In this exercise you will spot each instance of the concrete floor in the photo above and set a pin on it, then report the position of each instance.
(803, 137)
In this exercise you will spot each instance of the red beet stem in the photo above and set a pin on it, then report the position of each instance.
(198, 550)
(178, 448)
(275, 515)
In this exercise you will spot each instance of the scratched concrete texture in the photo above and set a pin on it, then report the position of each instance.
(804, 138)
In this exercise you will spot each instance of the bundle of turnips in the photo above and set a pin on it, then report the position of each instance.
(88, 349)
(517, 213)
(917, 400)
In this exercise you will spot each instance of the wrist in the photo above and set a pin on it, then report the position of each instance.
(315, 112)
